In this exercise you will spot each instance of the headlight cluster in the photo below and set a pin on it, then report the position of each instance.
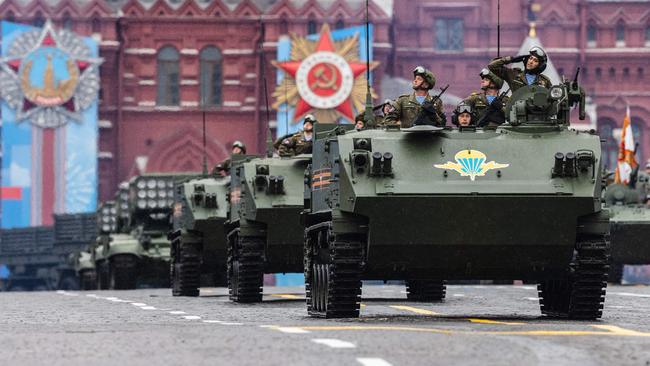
(154, 193)
(107, 218)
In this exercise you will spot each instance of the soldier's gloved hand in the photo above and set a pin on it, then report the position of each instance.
(497, 104)
(429, 107)
(516, 59)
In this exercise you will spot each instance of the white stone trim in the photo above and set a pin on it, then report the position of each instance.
(382, 45)
(189, 82)
(128, 99)
(238, 51)
(147, 103)
(250, 75)
(189, 103)
(129, 75)
(170, 108)
(140, 51)
(103, 123)
(619, 50)
(105, 155)
(189, 51)
(231, 82)
(231, 104)
(147, 82)
(270, 44)
(250, 100)
(109, 43)
(247, 108)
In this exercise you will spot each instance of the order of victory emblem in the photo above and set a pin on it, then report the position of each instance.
(49, 77)
(471, 163)
(324, 77)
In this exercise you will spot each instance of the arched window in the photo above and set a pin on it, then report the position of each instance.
(284, 25)
(340, 23)
(11, 17)
(609, 145)
(168, 76)
(96, 25)
(647, 35)
(591, 34)
(620, 34)
(67, 21)
(210, 76)
(39, 21)
(312, 27)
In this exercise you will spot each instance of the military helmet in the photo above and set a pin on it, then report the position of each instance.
(487, 74)
(647, 164)
(463, 107)
(240, 145)
(426, 74)
(309, 118)
(538, 52)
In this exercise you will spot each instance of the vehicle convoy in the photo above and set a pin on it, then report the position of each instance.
(139, 252)
(629, 226)
(82, 261)
(264, 230)
(428, 204)
(198, 237)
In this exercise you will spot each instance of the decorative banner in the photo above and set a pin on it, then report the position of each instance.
(323, 74)
(49, 84)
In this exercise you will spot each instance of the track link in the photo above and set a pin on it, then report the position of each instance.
(426, 290)
(186, 266)
(582, 294)
(246, 269)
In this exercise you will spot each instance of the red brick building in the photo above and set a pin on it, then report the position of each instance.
(169, 61)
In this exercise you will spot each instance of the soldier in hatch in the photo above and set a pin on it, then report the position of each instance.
(488, 106)
(407, 108)
(535, 64)
(300, 142)
(223, 168)
(464, 115)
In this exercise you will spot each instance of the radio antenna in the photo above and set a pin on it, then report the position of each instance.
(368, 116)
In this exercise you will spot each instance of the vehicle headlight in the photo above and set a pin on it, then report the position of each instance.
(142, 204)
(142, 194)
(151, 203)
(151, 194)
(141, 184)
(557, 92)
(151, 183)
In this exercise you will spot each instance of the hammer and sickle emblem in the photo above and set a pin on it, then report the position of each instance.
(322, 81)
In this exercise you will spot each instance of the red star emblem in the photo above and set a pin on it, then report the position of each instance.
(324, 79)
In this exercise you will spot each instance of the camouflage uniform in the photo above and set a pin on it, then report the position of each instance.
(515, 77)
(294, 145)
(480, 106)
(407, 110)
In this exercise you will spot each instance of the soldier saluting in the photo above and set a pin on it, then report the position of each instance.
(300, 142)
(419, 105)
(487, 105)
(535, 64)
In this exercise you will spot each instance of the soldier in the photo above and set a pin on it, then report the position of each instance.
(487, 105)
(417, 106)
(300, 142)
(359, 122)
(535, 64)
(223, 168)
(464, 115)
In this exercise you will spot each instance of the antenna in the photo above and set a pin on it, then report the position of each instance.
(269, 137)
(368, 116)
(205, 153)
(498, 28)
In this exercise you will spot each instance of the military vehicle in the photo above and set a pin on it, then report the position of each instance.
(198, 238)
(264, 230)
(140, 251)
(630, 228)
(428, 204)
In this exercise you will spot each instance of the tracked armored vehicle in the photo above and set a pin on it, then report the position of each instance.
(429, 204)
(198, 238)
(630, 228)
(265, 234)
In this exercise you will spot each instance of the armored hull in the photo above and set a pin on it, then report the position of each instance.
(630, 232)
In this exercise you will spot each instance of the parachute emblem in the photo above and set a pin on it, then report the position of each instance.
(471, 163)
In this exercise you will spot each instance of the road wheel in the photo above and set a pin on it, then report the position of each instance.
(123, 273)
(88, 280)
(186, 267)
(245, 269)
(335, 278)
(581, 294)
(425, 290)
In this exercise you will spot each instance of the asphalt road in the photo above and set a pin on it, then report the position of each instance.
(476, 325)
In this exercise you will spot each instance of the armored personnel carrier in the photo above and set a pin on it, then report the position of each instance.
(630, 228)
(198, 237)
(428, 204)
(265, 234)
